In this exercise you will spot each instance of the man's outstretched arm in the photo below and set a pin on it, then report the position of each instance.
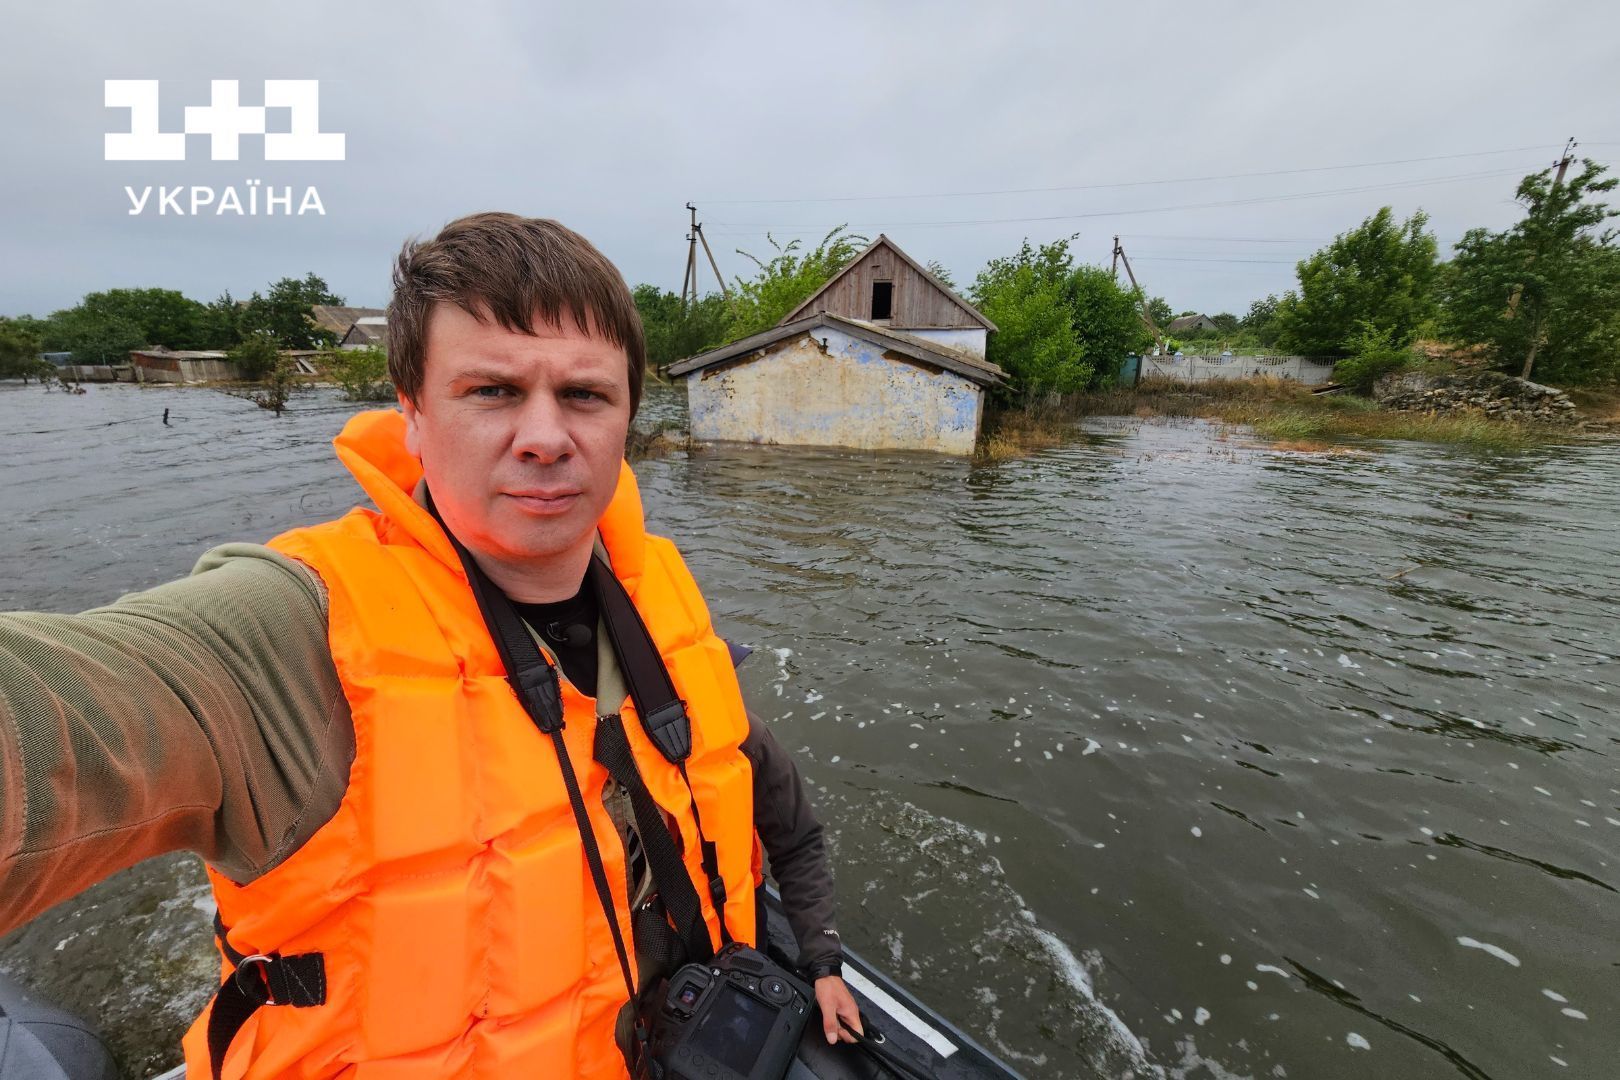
(202, 715)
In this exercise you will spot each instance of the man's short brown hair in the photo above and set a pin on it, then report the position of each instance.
(515, 270)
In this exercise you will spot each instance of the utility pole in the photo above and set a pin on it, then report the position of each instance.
(689, 284)
(1147, 314)
(1518, 290)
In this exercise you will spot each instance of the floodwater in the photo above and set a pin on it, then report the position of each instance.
(1158, 753)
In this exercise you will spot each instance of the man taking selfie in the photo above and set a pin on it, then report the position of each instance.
(439, 846)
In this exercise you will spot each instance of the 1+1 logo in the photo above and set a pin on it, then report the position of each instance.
(224, 120)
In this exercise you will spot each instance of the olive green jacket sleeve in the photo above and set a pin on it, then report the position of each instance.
(201, 715)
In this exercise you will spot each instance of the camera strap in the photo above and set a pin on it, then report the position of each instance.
(663, 717)
(534, 680)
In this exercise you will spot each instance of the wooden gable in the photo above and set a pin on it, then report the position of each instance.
(884, 275)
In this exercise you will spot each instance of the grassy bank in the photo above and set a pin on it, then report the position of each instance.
(1282, 412)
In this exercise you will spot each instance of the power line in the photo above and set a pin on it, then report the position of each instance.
(1250, 201)
(1130, 183)
(1192, 259)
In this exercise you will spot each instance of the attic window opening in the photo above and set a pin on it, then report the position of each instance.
(882, 299)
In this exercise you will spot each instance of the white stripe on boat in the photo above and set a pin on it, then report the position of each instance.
(896, 1011)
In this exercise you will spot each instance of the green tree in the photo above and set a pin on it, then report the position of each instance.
(1261, 321)
(161, 316)
(220, 324)
(939, 271)
(787, 280)
(19, 351)
(284, 313)
(92, 336)
(256, 356)
(1161, 311)
(362, 373)
(1025, 295)
(1380, 274)
(1063, 328)
(675, 332)
(1107, 322)
(1544, 295)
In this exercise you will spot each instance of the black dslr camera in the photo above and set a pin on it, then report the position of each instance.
(738, 1017)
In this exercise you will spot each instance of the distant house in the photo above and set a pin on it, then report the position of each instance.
(1188, 323)
(185, 366)
(368, 331)
(336, 320)
(884, 356)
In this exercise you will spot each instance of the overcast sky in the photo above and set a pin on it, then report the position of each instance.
(914, 119)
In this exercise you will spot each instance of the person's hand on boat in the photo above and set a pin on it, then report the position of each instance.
(837, 1003)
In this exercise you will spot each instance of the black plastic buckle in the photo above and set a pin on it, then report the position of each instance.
(671, 730)
(541, 695)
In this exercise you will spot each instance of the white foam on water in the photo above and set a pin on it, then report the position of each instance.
(1092, 746)
(1196, 831)
(1273, 970)
(1573, 1014)
(1357, 1042)
(1346, 662)
(1200, 1016)
(1495, 950)
(1075, 974)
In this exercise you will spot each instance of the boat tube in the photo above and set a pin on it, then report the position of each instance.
(36, 1039)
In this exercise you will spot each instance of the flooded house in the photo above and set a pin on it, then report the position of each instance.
(339, 319)
(160, 365)
(368, 332)
(884, 356)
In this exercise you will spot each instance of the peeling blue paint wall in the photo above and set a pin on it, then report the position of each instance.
(835, 389)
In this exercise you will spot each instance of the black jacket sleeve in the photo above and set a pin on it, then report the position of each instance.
(794, 846)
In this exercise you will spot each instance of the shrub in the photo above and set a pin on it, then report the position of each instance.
(362, 373)
(1374, 354)
(255, 357)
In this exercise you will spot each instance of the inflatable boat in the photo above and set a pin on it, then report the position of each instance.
(39, 1042)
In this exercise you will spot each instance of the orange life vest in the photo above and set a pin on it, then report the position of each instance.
(449, 894)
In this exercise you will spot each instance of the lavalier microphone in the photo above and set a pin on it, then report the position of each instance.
(573, 635)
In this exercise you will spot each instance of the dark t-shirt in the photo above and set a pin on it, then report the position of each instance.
(568, 628)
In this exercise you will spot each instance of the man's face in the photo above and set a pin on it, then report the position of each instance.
(520, 439)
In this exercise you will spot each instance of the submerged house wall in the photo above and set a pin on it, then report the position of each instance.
(848, 392)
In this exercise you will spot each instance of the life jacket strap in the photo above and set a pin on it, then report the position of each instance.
(257, 980)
